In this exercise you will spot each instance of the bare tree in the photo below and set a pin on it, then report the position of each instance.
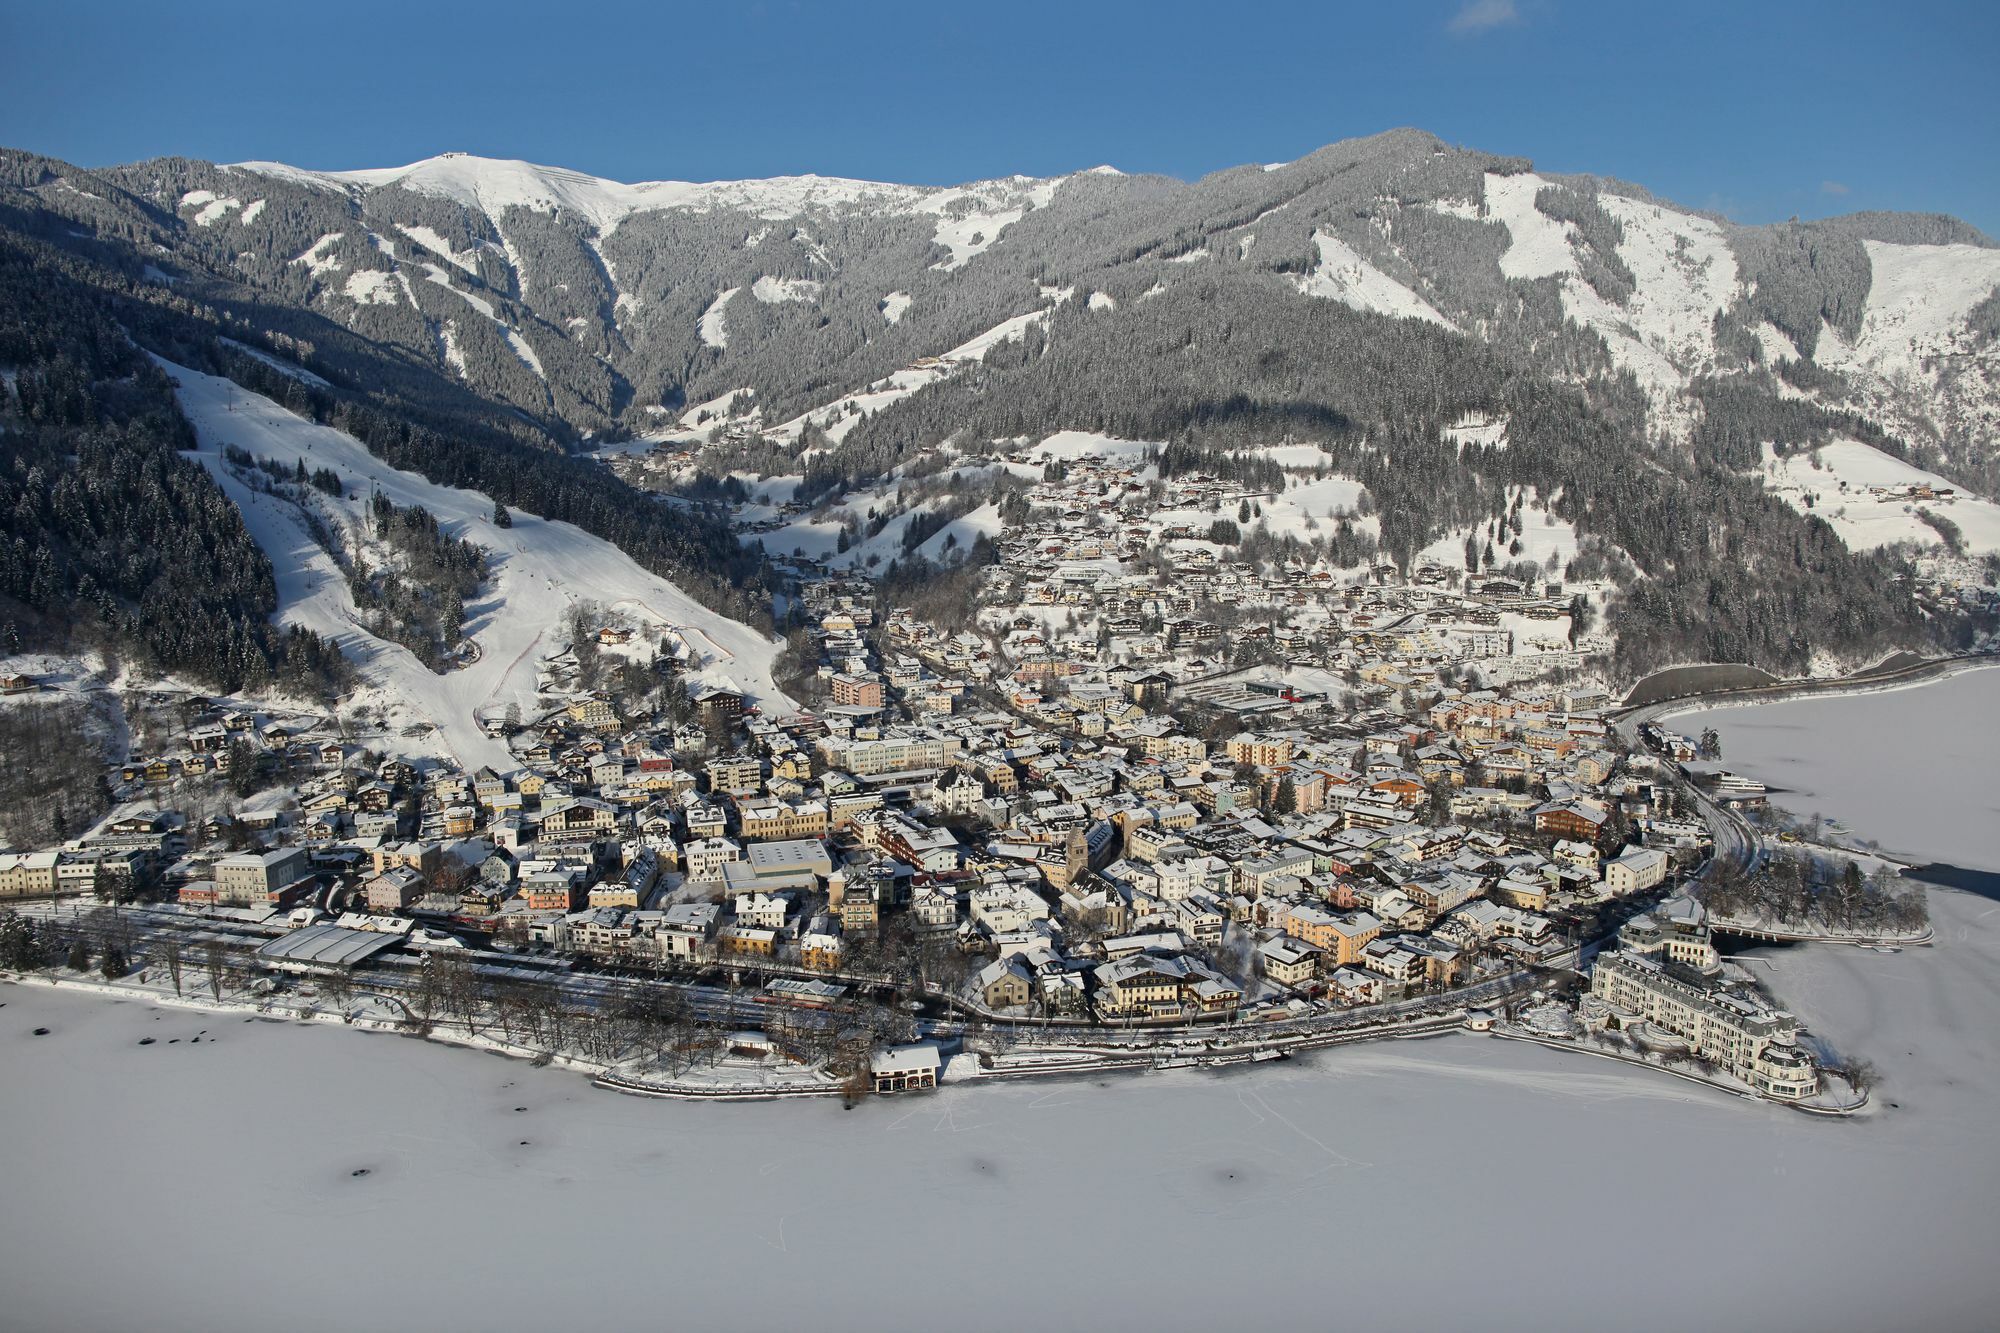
(428, 997)
(215, 959)
(168, 951)
(339, 987)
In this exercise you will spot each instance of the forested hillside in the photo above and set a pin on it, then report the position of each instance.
(109, 539)
(79, 276)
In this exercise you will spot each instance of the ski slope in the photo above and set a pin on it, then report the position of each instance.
(845, 413)
(1343, 275)
(539, 570)
(1683, 268)
(714, 323)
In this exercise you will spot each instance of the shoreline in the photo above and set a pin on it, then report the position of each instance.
(1911, 676)
(1794, 797)
(332, 1142)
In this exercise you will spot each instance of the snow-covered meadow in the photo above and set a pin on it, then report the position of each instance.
(1454, 1183)
(1837, 481)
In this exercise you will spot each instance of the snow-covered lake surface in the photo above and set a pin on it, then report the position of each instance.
(1916, 770)
(1455, 1183)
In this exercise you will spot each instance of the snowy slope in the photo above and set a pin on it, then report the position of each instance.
(1537, 245)
(540, 569)
(492, 185)
(1686, 275)
(1309, 509)
(1915, 365)
(1544, 537)
(1838, 479)
(1918, 301)
(971, 218)
(1683, 267)
(957, 536)
(838, 418)
(1343, 275)
(714, 324)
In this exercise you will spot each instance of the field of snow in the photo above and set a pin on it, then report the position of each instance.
(539, 570)
(439, 246)
(371, 286)
(1685, 273)
(1089, 444)
(315, 256)
(1486, 1183)
(1287, 514)
(1293, 455)
(1537, 245)
(714, 324)
(957, 536)
(1916, 366)
(996, 206)
(211, 208)
(1839, 488)
(1918, 301)
(1682, 264)
(1343, 275)
(776, 291)
(494, 185)
(1478, 430)
(1543, 536)
(1833, 756)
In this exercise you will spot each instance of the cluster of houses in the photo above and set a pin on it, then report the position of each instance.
(1132, 556)
(1106, 826)
(1069, 847)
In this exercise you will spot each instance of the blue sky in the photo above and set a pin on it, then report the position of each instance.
(1757, 110)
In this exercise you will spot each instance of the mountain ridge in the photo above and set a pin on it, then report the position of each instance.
(1367, 298)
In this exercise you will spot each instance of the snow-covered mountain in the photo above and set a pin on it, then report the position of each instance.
(1658, 374)
(601, 305)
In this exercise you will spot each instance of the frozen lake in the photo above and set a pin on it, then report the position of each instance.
(1452, 1183)
(1916, 770)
